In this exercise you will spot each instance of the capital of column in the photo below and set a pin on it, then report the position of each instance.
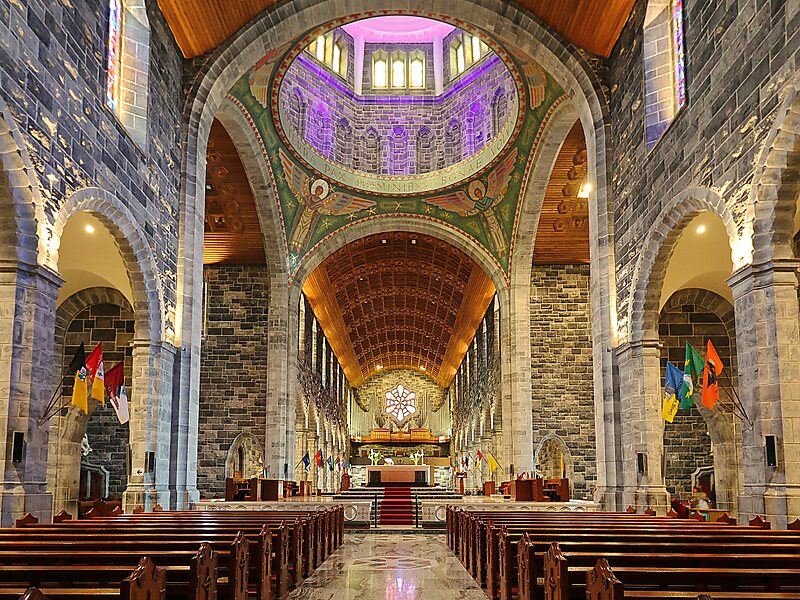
(779, 271)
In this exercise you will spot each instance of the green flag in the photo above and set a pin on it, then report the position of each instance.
(692, 371)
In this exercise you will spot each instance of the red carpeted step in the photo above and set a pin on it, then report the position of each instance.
(397, 507)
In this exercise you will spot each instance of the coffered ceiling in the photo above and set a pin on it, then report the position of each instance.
(399, 300)
(563, 234)
(232, 229)
(202, 25)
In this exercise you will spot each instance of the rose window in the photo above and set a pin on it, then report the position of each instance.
(400, 403)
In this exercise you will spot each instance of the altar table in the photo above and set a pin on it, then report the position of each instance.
(378, 475)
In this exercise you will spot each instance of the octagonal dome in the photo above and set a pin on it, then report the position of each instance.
(397, 105)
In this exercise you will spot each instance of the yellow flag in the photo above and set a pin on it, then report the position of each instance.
(80, 390)
(493, 464)
(670, 408)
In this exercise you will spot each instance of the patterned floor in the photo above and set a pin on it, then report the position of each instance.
(390, 567)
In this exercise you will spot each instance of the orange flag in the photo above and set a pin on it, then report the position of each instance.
(710, 373)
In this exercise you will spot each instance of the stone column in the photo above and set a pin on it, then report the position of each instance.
(301, 441)
(768, 357)
(150, 426)
(642, 425)
(313, 446)
(28, 295)
(486, 446)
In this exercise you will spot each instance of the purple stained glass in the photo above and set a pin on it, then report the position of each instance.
(113, 62)
(680, 58)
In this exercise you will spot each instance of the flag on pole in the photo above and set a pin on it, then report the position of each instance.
(80, 391)
(94, 365)
(480, 455)
(693, 367)
(466, 462)
(672, 383)
(330, 464)
(115, 390)
(318, 456)
(306, 461)
(711, 372)
(493, 464)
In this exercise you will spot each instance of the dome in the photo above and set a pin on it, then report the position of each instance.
(397, 104)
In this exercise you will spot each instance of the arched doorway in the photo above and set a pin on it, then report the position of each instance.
(95, 308)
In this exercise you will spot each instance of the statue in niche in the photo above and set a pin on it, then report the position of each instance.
(481, 199)
(315, 198)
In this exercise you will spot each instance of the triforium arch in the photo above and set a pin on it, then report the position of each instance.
(510, 25)
(153, 355)
(639, 359)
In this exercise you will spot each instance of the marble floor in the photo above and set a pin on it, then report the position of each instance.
(391, 566)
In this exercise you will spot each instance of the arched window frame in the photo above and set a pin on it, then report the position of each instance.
(664, 67)
(128, 66)
(398, 70)
(416, 70)
(380, 70)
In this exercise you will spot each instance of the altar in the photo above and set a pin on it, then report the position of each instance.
(378, 475)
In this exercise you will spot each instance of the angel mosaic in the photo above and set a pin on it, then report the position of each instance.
(316, 197)
(481, 199)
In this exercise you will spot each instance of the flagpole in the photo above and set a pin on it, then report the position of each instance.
(740, 405)
(53, 399)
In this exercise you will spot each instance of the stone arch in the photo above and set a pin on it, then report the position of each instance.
(136, 253)
(64, 454)
(549, 447)
(720, 425)
(24, 232)
(508, 24)
(775, 188)
(661, 239)
(245, 452)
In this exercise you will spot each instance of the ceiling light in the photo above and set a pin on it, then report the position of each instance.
(89, 228)
(379, 367)
(383, 241)
(422, 367)
(413, 241)
(585, 190)
(701, 229)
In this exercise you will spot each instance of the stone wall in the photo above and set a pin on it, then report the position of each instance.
(233, 367)
(52, 68)
(694, 316)
(400, 137)
(740, 56)
(113, 326)
(562, 389)
(372, 397)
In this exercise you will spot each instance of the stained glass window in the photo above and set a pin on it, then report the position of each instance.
(113, 63)
(680, 69)
(400, 403)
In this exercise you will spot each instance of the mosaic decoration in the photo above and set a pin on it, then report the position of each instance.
(314, 206)
(680, 58)
(113, 56)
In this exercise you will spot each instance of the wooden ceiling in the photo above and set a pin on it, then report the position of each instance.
(563, 233)
(399, 300)
(232, 230)
(202, 25)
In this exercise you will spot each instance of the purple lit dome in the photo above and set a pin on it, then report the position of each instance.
(398, 104)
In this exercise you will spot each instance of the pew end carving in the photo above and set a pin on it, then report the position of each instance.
(556, 574)
(146, 582)
(602, 584)
(203, 574)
